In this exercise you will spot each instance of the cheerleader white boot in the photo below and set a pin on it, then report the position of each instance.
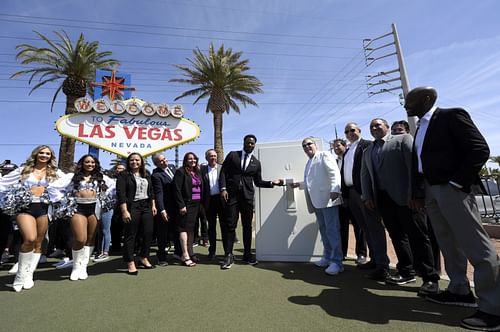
(85, 261)
(32, 264)
(77, 264)
(14, 268)
(23, 266)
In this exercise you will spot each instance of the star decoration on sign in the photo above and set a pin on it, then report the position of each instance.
(113, 86)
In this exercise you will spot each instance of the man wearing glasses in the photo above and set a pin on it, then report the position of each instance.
(322, 189)
(368, 221)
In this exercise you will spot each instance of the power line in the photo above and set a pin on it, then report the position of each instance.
(202, 104)
(178, 35)
(182, 28)
(301, 116)
(183, 49)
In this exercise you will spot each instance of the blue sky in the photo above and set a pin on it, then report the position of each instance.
(308, 54)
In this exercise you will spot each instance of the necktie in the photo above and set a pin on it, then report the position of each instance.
(244, 162)
(169, 173)
(377, 153)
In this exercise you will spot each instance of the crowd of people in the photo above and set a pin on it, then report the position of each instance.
(419, 190)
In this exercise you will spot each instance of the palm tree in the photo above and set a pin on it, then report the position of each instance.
(495, 159)
(221, 76)
(116, 161)
(73, 65)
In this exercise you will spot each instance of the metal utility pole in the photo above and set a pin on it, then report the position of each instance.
(403, 77)
(176, 157)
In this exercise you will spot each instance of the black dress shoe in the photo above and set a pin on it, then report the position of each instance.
(379, 275)
(482, 321)
(250, 259)
(195, 258)
(228, 262)
(211, 257)
(133, 273)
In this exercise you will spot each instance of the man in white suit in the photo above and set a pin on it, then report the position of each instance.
(322, 189)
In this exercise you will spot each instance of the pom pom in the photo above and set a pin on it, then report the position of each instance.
(65, 208)
(15, 199)
(108, 202)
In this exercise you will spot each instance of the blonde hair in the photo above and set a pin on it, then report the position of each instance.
(51, 170)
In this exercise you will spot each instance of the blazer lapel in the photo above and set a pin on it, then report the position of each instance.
(429, 127)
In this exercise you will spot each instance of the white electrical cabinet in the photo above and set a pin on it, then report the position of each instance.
(285, 230)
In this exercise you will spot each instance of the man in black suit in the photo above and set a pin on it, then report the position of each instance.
(162, 178)
(340, 148)
(240, 171)
(385, 180)
(449, 152)
(368, 220)
(212, 202)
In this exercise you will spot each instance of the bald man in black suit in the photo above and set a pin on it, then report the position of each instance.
(449, 152)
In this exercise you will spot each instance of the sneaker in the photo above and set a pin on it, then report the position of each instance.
(399, 280)
(101, 258)
(323, 262)
(481, 321)
(447, 297)
(250, 259)
(228, 262)
(428, 287)
(66, 263)
(5, 257)
(334, 269)
(58, 253)
(361, 260)
(43, 259)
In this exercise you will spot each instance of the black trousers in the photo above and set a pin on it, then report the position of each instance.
(346, 216)
(201, 226)
(409, 235)
(141, 223)
(244, 208)
(166, 232)
(116, 231)
(215, 209)
(396, 218)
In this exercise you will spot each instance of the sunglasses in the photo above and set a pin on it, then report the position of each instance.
(352, 130)
(307, 144)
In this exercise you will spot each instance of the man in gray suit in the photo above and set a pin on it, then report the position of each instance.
(385, 182)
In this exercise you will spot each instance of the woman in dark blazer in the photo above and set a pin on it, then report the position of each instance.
(188, 195)
(135, 198)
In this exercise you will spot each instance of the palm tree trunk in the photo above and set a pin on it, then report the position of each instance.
(67, 148)
(218, 136)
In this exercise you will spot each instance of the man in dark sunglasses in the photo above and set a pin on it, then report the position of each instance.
(367, 220)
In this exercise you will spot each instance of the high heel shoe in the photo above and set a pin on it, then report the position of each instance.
(134, 273)
(147, 267)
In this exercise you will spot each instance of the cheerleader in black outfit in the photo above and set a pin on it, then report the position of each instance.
(39, 170)
(87, 186)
